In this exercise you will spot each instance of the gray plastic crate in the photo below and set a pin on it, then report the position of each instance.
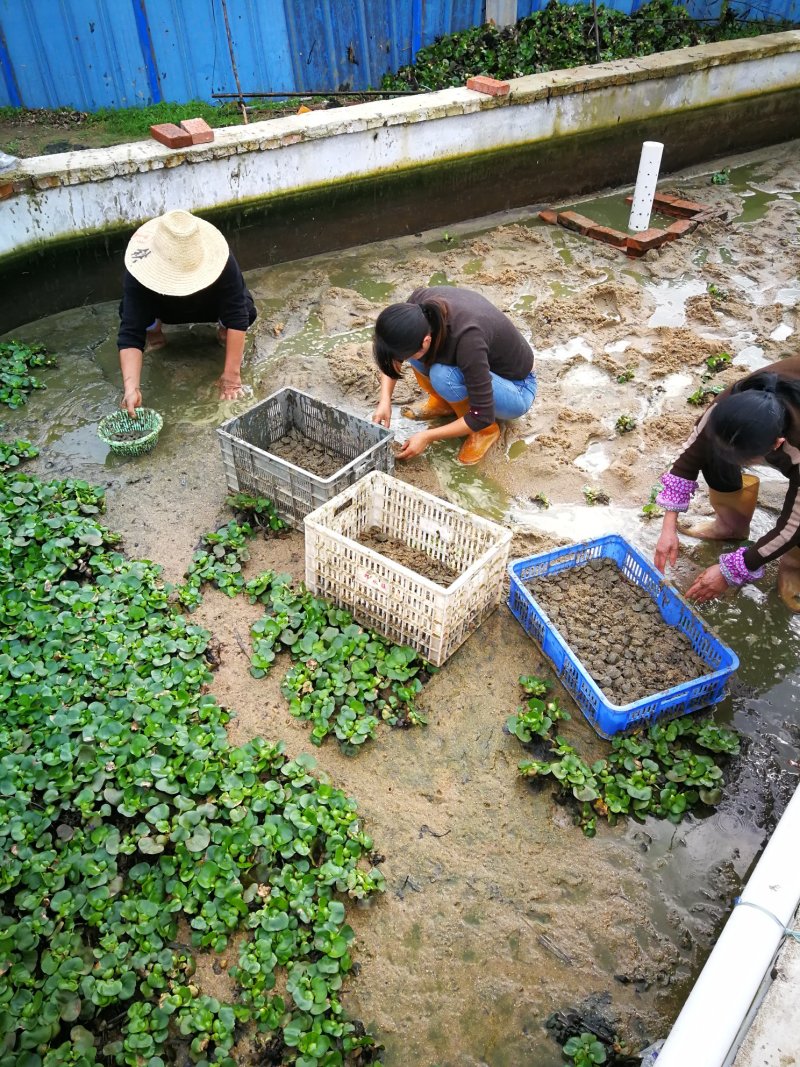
(245, 440)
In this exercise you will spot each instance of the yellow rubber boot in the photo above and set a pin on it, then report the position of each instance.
(789, 579)
(732, 514)
(477, 444)
(433, 408)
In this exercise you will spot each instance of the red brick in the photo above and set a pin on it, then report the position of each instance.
(644, 241)
(675, 206)
(489, 86)
(167, 133)
(607, 236)
(198, 129)
(710, 214)
(548, 216)
(19, 185)
(679, 228)
(689, 207)
(571, 220)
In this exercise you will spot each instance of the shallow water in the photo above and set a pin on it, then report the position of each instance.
(615, 212)
(458, 966)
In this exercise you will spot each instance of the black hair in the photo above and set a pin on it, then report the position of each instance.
(400, 330)
(755, 413)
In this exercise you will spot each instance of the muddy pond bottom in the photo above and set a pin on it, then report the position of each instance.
(618, 631)
(399, 552)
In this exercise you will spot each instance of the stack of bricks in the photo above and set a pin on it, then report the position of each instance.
(190, 131)
(688, 213)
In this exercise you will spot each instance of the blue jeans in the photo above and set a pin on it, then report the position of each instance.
(511, 399)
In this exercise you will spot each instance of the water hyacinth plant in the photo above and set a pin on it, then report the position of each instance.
(663, 770)
(16, 380)
(127, 817)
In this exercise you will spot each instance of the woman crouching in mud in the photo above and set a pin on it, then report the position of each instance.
(756, 421)
(466, 355)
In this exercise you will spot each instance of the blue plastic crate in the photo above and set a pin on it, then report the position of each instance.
(609, 719)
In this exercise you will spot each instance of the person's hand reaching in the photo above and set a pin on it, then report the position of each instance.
(131, 400)
(230, 387)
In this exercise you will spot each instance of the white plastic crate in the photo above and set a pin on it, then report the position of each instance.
(362, 446)
(388, 597)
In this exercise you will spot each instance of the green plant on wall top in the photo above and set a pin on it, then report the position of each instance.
(127, 816)
(560, 36)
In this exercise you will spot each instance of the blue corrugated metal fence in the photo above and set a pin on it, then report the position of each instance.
(89, 54)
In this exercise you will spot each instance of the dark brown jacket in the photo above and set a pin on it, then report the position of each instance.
(480, 339)
(698, 450)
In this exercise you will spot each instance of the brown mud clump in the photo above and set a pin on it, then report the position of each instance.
(127, 435)
(623, 642)
(294, 448)
(399, 552)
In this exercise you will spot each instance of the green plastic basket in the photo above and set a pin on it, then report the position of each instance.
(147, 425)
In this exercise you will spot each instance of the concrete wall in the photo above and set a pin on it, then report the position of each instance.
(555, 135)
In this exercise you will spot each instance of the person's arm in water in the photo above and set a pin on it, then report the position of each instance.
(136, 313)
(235, 305)
(230, 381)
(383, 412)
(678, 486)
(130, 362)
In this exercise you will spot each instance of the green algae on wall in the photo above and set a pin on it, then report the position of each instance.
(87, 267)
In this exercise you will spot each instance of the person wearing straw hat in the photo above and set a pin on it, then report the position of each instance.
(179, 269)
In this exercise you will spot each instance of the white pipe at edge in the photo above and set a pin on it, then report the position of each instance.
(711, 1018)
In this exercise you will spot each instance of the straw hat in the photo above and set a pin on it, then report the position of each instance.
(176, 254)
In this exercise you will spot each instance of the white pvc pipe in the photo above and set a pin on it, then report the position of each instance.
(711, 1019)
(646, 181)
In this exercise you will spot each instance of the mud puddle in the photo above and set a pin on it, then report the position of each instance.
(498, 911)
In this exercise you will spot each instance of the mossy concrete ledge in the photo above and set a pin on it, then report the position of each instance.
(401, 165)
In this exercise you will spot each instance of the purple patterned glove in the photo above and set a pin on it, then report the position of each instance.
(734, 569)
(676, 494)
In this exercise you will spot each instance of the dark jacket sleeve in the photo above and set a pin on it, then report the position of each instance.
(472, 358)
(136, 312)
(234, 311)
(695, 453)
(786, 533)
